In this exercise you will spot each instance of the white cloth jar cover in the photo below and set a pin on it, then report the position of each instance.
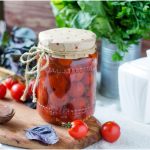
(134, 88)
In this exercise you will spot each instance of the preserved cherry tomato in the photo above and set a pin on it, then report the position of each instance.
(110, 131)
(53, 99)
(79, 102)
(90, 95)
(65, 62)
(77, 89)
(77, 76)
(78, 129)
(9, 82)
(59, 84)
(2, 90)
(93, 55)
(88, 78)
(42, 95)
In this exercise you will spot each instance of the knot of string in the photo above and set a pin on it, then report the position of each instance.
(27, 58)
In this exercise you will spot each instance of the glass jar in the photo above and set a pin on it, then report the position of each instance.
(67, 87)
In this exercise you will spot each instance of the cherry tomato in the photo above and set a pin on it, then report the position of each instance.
(2, 90)
(77, 89)
(65, 62)
(59, 84)
(110, 131)
(17, 91)
(78, 129)
(42, 93)
(9, 82)
(93, 55)
(56, 101)
(79, 103)
(88, 79)
(77, 76)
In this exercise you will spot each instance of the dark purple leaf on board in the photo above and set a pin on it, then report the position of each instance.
(45, 133)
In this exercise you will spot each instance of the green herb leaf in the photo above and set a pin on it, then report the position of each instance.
(82, 20)
(117, 57)
(93, 7)
(121, 22)
(65, 16)
(5, 39)
(101, 27)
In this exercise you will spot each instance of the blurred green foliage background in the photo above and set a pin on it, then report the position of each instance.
(122, 22)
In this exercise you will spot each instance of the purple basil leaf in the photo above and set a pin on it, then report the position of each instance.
(44, 133)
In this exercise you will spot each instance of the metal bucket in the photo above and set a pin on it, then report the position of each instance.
(109, 68)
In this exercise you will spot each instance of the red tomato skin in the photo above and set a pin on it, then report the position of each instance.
(78, 130)
(59, 88)
(17, 91)
(65, 62)
(56, 101)
(2, 90)
(79, 103)
(77, 76)
(77, 89)
(42, 95)
(110, 131)
(9, 82)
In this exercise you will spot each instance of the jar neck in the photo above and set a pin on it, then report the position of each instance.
(68, 54)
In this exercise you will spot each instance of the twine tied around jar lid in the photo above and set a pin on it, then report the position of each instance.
(48, 47)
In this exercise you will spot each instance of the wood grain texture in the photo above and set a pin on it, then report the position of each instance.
(13, 132)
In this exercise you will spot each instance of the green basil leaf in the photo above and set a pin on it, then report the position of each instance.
(82, 20)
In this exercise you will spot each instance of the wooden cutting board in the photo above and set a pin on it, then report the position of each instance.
(13, 133)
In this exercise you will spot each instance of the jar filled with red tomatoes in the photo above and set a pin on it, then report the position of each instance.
(67, 86)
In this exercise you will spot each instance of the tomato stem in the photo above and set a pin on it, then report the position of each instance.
(67, 125)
